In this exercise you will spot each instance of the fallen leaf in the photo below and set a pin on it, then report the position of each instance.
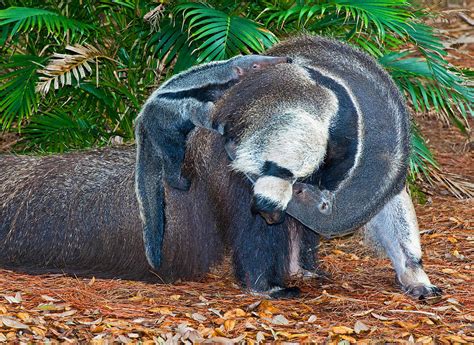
(11, 323)
(229, 325)
(359, 327)
(23, 316)
(380, 317)
(267, 307)
(260, 337)
(95, 322)
(407, 325)
(198, 317)
(348, 338)
(65, 314)
(224, 340)
(453, 301)
(237, 312)
(448, 270)
(342, 330)
(425, 340)
(38, 331)
(175, 297)
(363, 313)
(3, 338)
(312, 318)
(123, 339)
(161, 310)
(137, 298)
(249, 325)
(13, 299)
(50, 307)
(280, 320)
(456, 339)
(49, 299)
(215, 311)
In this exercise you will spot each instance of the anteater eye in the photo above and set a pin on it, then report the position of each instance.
(255, 66)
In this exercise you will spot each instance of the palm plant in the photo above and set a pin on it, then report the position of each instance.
(74, 74)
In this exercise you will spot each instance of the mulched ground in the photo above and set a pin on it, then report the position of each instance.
(360, 302)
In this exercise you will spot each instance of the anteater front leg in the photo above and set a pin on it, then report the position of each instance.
(395, 229)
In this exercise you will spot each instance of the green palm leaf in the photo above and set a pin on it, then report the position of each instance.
(218, 35)
(18, 99)
(58, 131)
(24, 19)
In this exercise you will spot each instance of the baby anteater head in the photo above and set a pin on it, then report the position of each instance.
(250, 63)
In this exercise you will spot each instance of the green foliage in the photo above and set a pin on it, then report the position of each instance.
(25, 19)
(122, 50)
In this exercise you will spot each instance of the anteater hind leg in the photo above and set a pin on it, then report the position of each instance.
(395, 229)
(261, 258)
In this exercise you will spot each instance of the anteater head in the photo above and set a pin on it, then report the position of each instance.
(246, 64)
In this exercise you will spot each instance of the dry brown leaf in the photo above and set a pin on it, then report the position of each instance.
(363, 313)
(198, 317)
(12, 323)
(342, 330)
(49, 299)
(175, 297)
(237, 312)
(455, 339)
(425, 340)
(229, 325)
(13, 299)
(348, 338)
(312, 319)
(407, 325)
(23, 316)
(360, 327)
(161, 310)
(380, 317)
(97, 328)
(280, 320)
(267, 307)
(38, 331)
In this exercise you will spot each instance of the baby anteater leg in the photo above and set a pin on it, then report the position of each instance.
(395, 229)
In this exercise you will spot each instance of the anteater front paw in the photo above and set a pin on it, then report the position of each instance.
(422, 291)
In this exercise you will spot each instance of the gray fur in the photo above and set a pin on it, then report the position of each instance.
(383, 127)
(162, 127)
(394, 230)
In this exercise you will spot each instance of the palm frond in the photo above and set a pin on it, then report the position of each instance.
(375, 16)
(432, 86)
(57, 131)
(22, 19)
(63, 67)
(18, 99)
(218, 35)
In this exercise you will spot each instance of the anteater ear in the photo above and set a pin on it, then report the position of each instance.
(239, 70)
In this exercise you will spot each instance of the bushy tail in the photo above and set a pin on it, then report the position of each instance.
(150, 194)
